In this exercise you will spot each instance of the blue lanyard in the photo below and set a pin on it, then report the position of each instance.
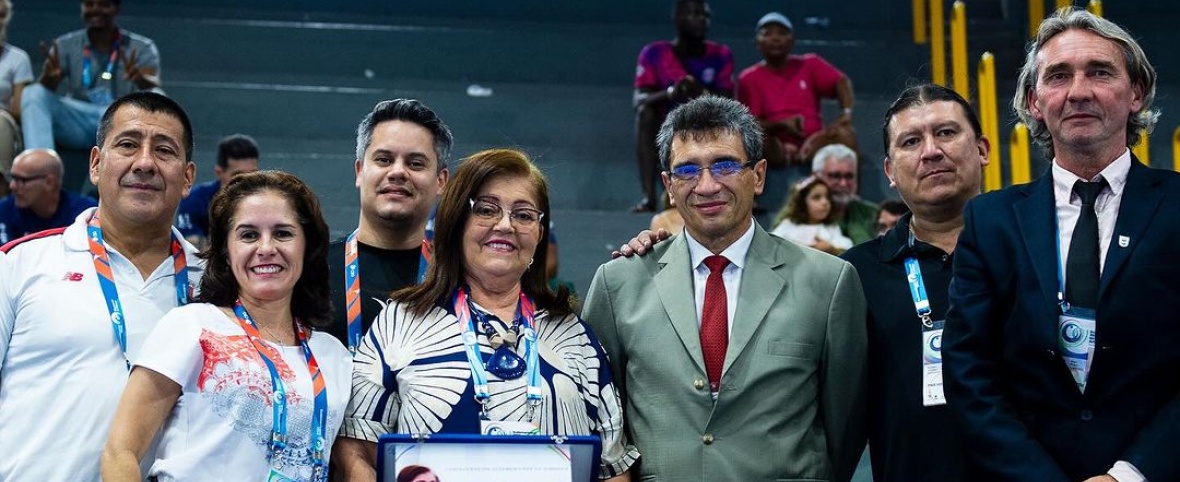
(106, 279)
(913, 274)
(87, 79)
(352, 283)
(278, 432)
(532, 361)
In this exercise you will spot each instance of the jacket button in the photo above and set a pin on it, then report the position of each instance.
(707, 439)
(1087, 415)
(698, 384)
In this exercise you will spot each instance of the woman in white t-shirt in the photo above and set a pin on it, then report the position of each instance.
(239, 385)
(807, 218)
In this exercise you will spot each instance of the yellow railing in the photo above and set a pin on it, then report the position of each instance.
(937, 44)
(989, 120)
(1095, 7)
(1020, 168)
(919, 10)
(1036, 13)
(1176, 149)
(959, 49)
(1141, 149)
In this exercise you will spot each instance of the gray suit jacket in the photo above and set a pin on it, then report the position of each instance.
(792, 390)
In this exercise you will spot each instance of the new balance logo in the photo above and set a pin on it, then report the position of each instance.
(72, 276)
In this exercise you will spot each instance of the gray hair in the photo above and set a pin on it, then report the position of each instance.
(1140, 70)
(709, 116)
(839, 152)
(406, 110)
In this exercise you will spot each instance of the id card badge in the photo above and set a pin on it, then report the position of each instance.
(488, 427)
(932, 393)
(100, 94)
(1075, 337)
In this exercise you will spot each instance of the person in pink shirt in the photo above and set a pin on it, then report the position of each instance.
(784, 92)
(670, 73)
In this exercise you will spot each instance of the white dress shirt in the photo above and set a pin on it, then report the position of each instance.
(732, 276)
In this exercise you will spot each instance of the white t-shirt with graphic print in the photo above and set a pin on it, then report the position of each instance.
(220, 428)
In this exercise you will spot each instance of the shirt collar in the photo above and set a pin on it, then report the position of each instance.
(76, 238)
(1115, 175)
(735, 252)
(895, 244)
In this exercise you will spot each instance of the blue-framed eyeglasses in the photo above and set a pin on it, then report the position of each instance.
(720, 169)
(488, 212)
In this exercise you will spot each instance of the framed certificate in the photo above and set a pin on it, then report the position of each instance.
(487, 458)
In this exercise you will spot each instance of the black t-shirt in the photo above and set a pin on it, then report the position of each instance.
(382, 271)
(908, 442)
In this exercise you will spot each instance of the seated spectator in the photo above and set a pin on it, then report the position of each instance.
(807, 218)
(669, 219)
(15, 73)
(836, 165)
(891, 210)
(235, 154)
(89, 68)
(784, 92)
(671, 73)
(37, 201)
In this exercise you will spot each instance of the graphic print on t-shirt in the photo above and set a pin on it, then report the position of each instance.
(236, 384)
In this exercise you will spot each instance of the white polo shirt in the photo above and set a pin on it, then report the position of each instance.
(61, 368)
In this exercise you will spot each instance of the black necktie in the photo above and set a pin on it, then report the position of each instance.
(1081, 267)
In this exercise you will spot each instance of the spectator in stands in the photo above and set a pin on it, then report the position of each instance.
(891, 210)
(77, 304)
(219, 379)
(37, 201)
(784, 92)
(912, 437)
(15, 73)
(807, 218)
(235, 154)
(671, 73)
(836, 165)
(89, 68)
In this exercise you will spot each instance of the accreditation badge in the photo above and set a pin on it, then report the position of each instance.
(276, 476)
(100, 93)
(1075, 338)
(503, 427)
(932, 392)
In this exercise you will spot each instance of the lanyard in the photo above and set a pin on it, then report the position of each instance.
(479, 377)
(106, 279)
(278, 432)
(913, 274)
(87, 59)
(352, 283)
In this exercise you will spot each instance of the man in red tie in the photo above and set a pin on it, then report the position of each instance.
(726, 341)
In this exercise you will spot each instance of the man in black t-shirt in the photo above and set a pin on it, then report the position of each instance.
(401, 169)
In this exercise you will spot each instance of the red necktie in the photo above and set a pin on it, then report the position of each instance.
(714, 323)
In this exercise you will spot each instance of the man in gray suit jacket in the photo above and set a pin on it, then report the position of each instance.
(739, 355)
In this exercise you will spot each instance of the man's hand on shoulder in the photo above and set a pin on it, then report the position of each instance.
(641, 243)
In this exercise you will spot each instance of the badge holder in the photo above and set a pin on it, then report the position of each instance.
(1076, 339)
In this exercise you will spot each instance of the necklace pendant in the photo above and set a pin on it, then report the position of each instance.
(496, 341)
(505, 364)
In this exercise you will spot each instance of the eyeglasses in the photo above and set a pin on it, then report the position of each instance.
(18, 179)
(487, 212)
(839, 176)
(720, 169)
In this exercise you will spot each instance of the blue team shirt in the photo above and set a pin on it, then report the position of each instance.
(16, 222)
(192, 218)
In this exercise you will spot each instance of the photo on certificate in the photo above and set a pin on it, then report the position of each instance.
(481, 458)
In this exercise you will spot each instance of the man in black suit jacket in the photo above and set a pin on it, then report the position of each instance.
(1038, 403)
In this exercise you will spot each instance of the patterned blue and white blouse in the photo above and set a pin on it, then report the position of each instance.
(411, 375)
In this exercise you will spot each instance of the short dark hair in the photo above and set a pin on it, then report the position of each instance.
(926, 94)
(407, 110)
(410, 472)
(237, 146)
(311, 302)
(446, 272)
(893, 206)
(706, 117)
(151, 102)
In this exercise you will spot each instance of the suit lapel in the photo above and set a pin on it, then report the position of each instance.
(1141, 198)
(674, 285)
(761, 286)
(1036, 218)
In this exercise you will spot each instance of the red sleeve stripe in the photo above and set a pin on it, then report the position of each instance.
(43, 234)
